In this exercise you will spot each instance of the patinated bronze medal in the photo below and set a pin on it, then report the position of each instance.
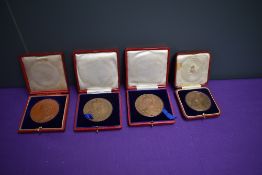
(99, 108)
(44, 111)
(149, 105)
(198, 101)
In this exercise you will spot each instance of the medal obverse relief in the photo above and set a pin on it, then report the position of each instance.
(149, 105)
(44, 111)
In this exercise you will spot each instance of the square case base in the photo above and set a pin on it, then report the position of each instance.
(27, 125)
(191, 114)
(113, 122)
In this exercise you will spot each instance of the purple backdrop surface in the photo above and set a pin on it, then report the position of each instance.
(230, 144)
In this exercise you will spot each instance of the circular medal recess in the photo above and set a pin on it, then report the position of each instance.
(44, 74)
(191, 70)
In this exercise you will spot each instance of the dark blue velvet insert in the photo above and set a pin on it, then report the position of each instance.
(189, 111)
(28, 123)
(137, 117)
(113, 120)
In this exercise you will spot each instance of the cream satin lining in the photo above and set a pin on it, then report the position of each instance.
(45, 73)
(147, 67)
(97, 70)
(192, 69)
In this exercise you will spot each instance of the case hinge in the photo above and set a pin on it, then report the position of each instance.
(147, 87)
(98, 90)
(191, 86)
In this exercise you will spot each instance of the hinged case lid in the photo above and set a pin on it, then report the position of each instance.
(96, 70)
(192, 69)
(44, 73)
(146, 67)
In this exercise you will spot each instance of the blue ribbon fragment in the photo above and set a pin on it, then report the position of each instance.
(88, 116)
(168, 115)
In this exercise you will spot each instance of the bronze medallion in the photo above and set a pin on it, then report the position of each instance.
(44, 111)
(99, 108)
(198, 101)
(149, 105)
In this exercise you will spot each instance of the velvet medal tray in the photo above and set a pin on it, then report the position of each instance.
(98, 86)
(146, 76)
(194, 98)
(57, 123)
(136, 117)
(46, 83)
(188, 111)
(111, 121)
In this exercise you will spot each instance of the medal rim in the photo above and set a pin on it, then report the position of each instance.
(143, 114)
(107, 102)
(51, 117)
(194, 108)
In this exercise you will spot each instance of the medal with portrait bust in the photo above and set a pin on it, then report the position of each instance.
(44, 111)
(149, 105)
(198, 101)
(99, 108)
